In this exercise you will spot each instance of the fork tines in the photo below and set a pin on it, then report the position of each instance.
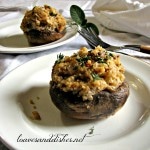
(91, 37)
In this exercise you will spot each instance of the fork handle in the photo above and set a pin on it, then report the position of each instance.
(140, 48)
(145, 49)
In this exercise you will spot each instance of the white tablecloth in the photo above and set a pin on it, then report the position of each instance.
(8, 62)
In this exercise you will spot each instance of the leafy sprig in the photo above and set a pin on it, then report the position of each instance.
(95, 76)
(83, 60)
(59, 58)
(78, 16)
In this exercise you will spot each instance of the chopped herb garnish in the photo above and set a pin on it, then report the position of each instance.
(95, 76)
(83, 60)
(111, 55)
(101, 60)
(59, 58)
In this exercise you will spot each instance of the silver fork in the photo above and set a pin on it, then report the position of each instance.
(94, 40)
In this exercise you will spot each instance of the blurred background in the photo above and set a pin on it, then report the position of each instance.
(62, 5)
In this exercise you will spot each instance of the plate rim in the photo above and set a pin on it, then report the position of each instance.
(43, 58)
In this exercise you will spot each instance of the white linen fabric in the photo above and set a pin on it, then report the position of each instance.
(124, 15)
(8, 62)
(63, 6)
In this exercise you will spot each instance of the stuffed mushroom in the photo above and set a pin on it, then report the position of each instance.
(43, 25)
(90, 84)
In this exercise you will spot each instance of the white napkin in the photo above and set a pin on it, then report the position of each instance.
(124, 15)
(123, 22)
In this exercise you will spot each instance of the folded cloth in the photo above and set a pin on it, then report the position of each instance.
(63, 6)
(124, 15)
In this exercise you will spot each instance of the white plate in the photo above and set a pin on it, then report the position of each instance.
(129, 128)
(12, 39)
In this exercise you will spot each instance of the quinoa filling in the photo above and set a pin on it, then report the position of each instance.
(44, 19)
(88, 72)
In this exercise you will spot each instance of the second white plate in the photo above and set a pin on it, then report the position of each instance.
(12, 39)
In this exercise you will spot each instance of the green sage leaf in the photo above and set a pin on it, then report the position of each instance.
(77, 15)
